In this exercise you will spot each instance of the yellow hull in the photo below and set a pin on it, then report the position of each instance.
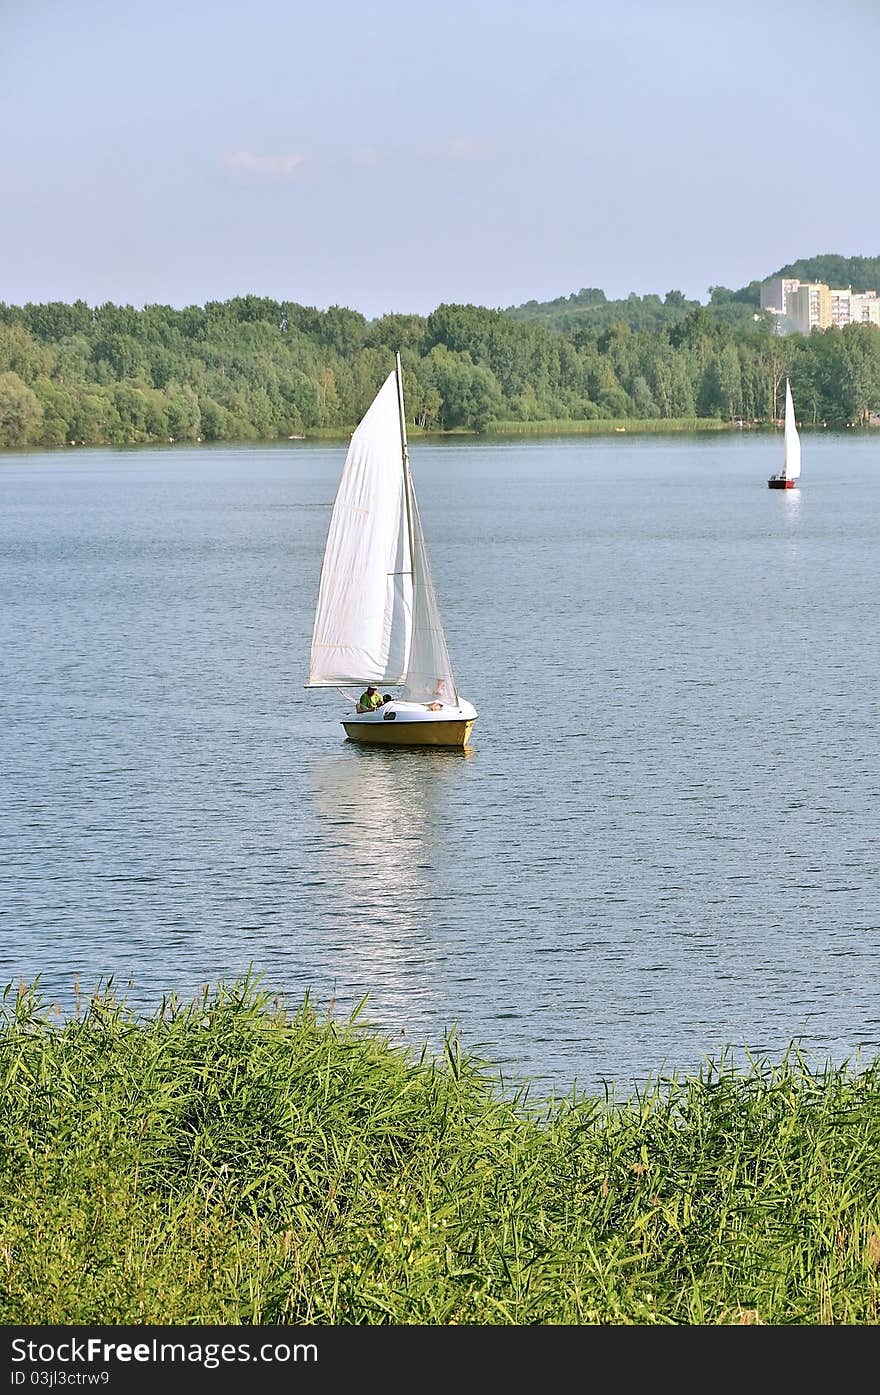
(410, 733)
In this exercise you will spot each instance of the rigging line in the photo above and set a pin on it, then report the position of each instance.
(404, 452)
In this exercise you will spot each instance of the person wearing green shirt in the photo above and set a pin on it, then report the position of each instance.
(370, 700)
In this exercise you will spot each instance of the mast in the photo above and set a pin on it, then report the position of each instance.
(404, 453)
(407, 486)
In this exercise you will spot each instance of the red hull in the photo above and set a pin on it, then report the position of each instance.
(776, 483)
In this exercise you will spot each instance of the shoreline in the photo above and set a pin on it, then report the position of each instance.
(674, 426)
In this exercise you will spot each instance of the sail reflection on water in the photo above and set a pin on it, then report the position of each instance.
(385, 817)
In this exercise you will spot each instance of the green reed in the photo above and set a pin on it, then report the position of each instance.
(648, 426)
(227, 1162)
(558, 426)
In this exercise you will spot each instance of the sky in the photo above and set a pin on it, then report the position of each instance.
(392, 157)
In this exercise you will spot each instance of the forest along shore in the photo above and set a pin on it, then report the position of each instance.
(253, 368)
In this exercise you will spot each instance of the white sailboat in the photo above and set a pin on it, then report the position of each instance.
(791, 463)
(377, 621)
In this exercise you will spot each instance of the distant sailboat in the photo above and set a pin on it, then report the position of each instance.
(791, 464)
(377, 621)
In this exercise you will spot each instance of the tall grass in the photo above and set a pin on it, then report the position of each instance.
(561, 426)
(649, 426)
(226, 1162)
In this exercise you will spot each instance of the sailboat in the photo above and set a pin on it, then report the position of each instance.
(377, 622)
(791, 465)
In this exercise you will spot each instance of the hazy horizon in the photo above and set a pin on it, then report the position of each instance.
(562, 295)
(395, 159)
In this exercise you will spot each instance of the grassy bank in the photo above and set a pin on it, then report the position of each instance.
(557, 427)
(223, 1162)
(649, 426)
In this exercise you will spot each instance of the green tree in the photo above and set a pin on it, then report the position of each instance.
(95, 418)
(57, 404)
(55, 320)
(20, 353)
(342, 330)
(860, 357)
(214, 419)
(470, 394)
(720, 391)
(183, 414)
(396, 332)
(643, 402)
(21, 413)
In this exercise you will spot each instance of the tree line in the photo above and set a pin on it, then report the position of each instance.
(590, 307)
(253, 368)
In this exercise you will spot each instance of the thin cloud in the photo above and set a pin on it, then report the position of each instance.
(264, 166)
(367, 155)
(460, 148)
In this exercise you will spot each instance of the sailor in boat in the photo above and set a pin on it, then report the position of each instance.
(369, 700)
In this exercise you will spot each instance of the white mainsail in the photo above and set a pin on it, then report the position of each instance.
(377, 619)
(792, 467)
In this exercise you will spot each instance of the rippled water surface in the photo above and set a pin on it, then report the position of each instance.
(663, 842)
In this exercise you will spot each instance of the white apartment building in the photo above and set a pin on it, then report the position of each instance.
(841, 306)
(849, 307)
(865, 308)
(775, 293)
(801, 306)
(808, 307)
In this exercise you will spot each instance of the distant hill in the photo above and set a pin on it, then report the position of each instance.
(862, 273)
(590, 309)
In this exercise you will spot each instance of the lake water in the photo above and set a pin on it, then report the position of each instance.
(662, 843)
